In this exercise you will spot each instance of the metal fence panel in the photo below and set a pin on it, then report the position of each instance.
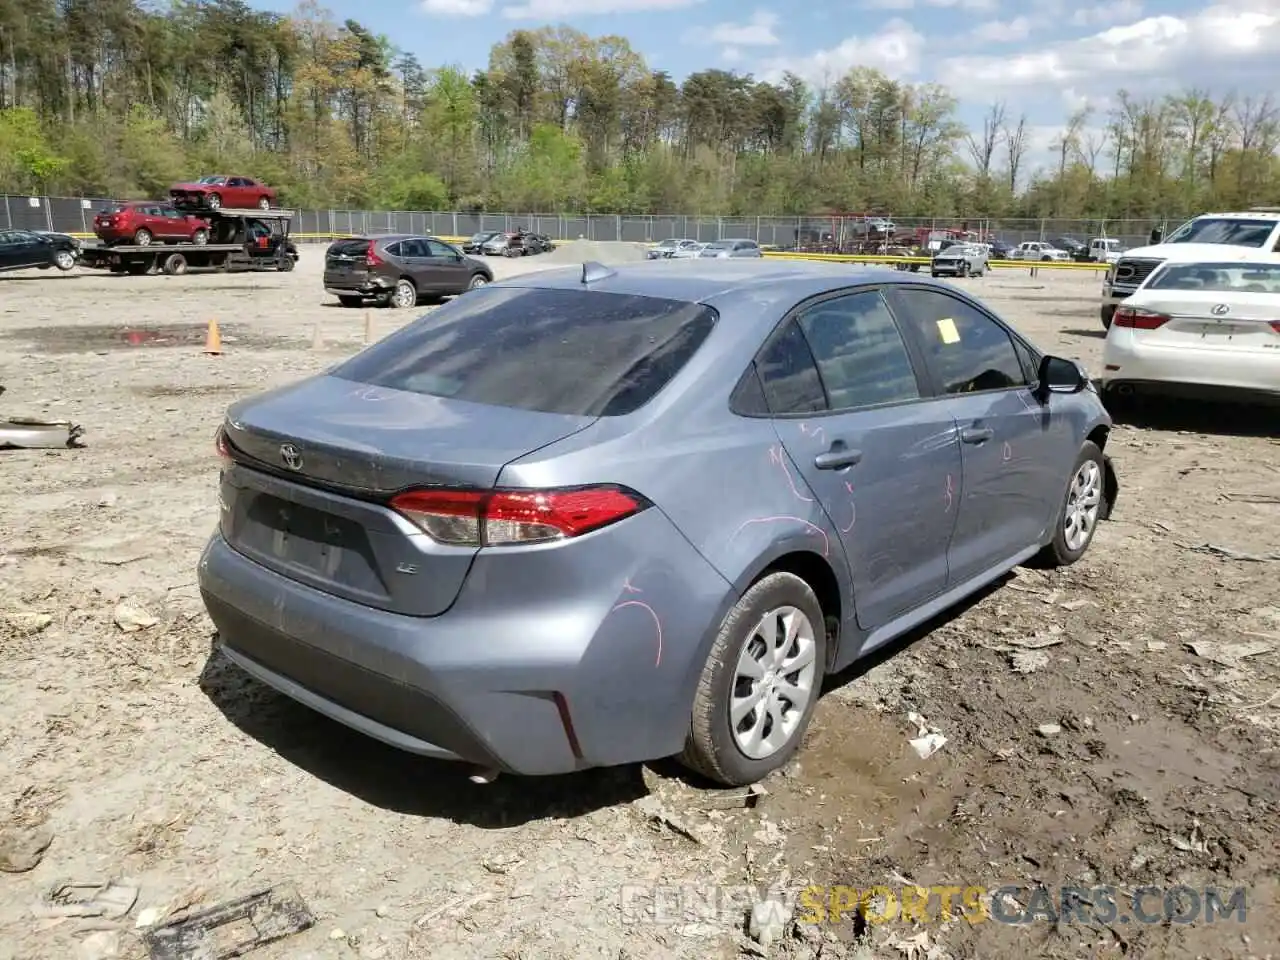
(75, 215)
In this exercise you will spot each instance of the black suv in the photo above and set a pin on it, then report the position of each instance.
(398, 269)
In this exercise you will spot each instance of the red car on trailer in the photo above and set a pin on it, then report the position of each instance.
(216, 192)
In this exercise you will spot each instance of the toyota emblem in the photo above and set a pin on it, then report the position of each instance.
(289, 454)
(1220, 310)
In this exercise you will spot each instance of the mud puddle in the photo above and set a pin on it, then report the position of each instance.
(96, 339)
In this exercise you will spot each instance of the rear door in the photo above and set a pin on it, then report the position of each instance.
(235, 195)
(1014, 449)
(883, 457)
(169, 223)
(451, 271)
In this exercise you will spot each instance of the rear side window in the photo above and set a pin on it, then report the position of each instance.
(574, 352)
(860, 353)
(790, 376)
(349, 248)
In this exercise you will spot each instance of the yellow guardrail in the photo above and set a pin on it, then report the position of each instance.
(925, 261)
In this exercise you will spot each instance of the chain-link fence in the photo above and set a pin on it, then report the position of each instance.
(75, 215)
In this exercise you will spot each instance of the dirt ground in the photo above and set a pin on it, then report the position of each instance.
(1152, 666)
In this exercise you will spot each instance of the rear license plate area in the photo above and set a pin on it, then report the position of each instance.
(303, 539)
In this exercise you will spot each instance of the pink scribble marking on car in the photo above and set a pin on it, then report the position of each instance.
(813, 527)
(640, 604)
(1006, 453)
(950, 493)
(853, 508)
(778, 455)
(817, 432)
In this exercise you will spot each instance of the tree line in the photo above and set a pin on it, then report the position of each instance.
(118, 98)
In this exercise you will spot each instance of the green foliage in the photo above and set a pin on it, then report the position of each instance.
(121, 98)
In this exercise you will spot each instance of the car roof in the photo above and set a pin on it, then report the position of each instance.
(740, 288)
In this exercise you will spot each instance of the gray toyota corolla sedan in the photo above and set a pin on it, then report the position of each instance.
(593, 516)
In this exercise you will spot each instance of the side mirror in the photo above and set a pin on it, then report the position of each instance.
(1061, 376)
(1156, 236)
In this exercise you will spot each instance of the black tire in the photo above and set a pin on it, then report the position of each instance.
(264, 203)
(175, 265)
(285, 264)
(710, 748)
(1058, 553)
(200, 237)
(64, 260)
(405, 294)
(1108, 314)
(964, 268)
(142, 237)
(934, 274)
(351, 301)
(1046, 259)
(477, 280)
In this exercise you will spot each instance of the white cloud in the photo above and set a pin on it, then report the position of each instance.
(895, 49)
(1159, 48)
(562, 9)
(1001, 31)
(758, 31)
(1105, 14)
(731, 55)
(456, 8)
(889, 4)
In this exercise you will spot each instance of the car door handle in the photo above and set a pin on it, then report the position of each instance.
(976, 434)
(836, 458)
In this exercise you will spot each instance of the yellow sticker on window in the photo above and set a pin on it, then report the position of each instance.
(947, 330)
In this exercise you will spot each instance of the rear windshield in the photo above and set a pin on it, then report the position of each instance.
(574, 352)
(349, 248)
(1218, 277)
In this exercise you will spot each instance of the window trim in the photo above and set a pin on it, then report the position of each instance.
(934, 375)
(924, 377)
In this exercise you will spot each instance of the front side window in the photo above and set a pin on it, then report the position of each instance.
(860, 353)
(969, 351)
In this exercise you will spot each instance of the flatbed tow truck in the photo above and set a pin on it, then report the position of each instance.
(239, 240)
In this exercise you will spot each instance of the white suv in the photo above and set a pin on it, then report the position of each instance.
(1252, 235)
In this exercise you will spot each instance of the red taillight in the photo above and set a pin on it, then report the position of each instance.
(492, 518)
(1275, 325)
(223, 446)
(371, 259)
(1138, 319)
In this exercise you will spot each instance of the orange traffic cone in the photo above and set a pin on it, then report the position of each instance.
(368, 328)
(213, 339)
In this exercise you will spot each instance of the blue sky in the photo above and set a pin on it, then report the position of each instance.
(1044, 58)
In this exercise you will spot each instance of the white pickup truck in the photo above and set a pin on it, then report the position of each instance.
(1252, 235)
(1103, 250)
(1038, 250)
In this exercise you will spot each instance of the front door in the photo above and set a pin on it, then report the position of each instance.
(1011, 481)
(883, 460)
(450, 271)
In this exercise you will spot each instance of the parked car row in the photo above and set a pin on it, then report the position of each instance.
(508, 243)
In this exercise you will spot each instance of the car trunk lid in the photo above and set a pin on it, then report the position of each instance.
(1247, 324)
(316, 464)
(346, 259)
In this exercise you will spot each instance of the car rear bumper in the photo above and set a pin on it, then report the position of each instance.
(362, 287)
(516, 675)
(1128, 360)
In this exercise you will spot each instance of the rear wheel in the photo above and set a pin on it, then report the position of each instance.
(1082, 508)
(285, 263)
(142, 238)
(478, 280)
(405, 294)
(760, 684)
(351, 301)
(175, 265)
(200, 237)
